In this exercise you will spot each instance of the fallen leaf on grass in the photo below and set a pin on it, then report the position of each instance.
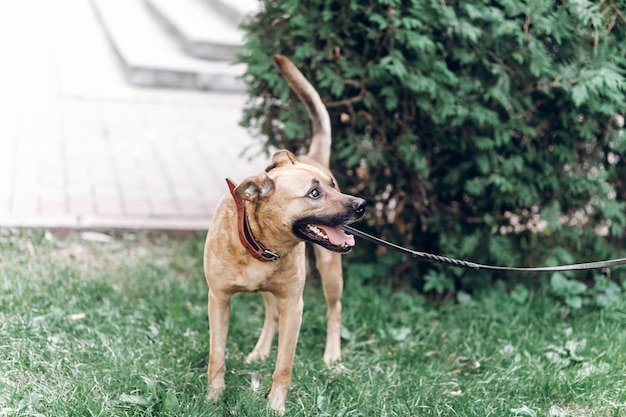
(568, 411)
(524, 411)
(96, 237)
(507, 350)
(255, 381)
(399, 335)
(134, 399)
(77, 316)
(170, 402)
(575, 346)
(463, 361)
(588, 369)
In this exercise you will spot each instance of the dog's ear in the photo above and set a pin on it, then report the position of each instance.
(281, 158)
(255, 188)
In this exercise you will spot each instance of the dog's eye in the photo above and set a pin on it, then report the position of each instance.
(314, 193)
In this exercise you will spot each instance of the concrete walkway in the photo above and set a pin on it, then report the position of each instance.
(79, 148)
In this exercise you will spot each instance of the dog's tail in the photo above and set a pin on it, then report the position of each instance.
(321, 140)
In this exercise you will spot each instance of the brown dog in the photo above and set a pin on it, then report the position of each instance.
(256, 243)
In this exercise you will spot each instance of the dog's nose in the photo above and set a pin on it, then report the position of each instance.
(358, 205)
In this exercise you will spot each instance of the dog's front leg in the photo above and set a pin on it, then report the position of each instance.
(289, 321)
(219, 316)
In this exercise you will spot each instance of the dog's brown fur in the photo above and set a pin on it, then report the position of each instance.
(290, 193)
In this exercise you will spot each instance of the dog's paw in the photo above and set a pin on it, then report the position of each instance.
(331, 357)
(337, 369)
(213, 394)
(255, 356)
(276, 400)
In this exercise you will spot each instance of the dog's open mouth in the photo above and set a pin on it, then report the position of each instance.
(330, 237)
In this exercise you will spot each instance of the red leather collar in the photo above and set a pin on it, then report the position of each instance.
(246, 237)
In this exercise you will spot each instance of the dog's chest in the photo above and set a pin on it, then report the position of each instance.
(268, 276)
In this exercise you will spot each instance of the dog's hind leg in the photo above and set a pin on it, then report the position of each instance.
(329, 266)
(264, 344)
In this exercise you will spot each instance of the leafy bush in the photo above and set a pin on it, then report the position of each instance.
(486, 130)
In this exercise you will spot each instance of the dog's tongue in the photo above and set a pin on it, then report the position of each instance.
(337, 236)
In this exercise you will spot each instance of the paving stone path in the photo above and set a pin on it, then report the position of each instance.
(80, 148)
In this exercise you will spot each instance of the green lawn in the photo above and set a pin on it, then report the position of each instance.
(120, 329)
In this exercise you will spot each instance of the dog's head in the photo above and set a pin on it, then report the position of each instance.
(301, 200)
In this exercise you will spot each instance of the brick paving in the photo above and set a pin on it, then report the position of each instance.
(79, 148)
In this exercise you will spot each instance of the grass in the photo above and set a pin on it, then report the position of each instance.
(119, 328)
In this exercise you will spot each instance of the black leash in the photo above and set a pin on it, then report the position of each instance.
(429, 257)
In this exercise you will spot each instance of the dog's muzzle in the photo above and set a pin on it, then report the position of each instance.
(327, 232)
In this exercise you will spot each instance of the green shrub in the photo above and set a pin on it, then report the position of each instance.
(486, 130)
